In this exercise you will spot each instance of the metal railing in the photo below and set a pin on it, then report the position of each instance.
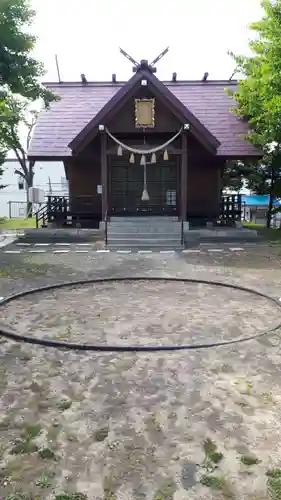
(182, 231)
(106, 225)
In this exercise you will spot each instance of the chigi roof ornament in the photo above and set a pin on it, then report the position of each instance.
(143, 64)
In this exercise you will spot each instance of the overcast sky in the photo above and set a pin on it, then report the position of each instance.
(87, 34)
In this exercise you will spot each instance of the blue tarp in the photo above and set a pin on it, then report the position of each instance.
(255, 200)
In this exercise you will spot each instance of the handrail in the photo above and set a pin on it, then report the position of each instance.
(180, 218)
(182, 230)
(106, 221)
(40, 214)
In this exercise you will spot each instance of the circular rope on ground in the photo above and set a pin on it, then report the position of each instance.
(115, 348)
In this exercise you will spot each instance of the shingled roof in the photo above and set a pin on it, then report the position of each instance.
(57, 127)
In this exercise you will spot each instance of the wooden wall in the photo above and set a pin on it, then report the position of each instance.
(203, 180)
(124, 120)
(203, 190)
(84, 176)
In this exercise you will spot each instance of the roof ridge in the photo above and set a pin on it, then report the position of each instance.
(120, 83)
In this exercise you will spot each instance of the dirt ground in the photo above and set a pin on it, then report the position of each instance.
(201, 424)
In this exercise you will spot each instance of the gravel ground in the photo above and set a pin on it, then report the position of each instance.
(187, 425)
(143, 313)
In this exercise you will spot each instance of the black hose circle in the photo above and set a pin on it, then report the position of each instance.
(115, 348)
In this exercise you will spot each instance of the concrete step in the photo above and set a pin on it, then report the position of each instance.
(144, 233)
(144, 247)
(138, 235)
(61, 235)
(220, 234)
(148, 241)
(144, 229)
(221, 238)
(144, 219)
(147, 222)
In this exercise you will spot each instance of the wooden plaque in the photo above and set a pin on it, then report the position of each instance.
(144, 113)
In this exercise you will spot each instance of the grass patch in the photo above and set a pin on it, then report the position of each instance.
(166, 490)
(70, 436)
(44, 481)
(24, 446)
(249, 388)
(152, 424)
(212, 456)
(139, 493)
(218, 483)
(24, 269)
(27, 223)
(47, 454)
(3, 377)
(108, 489)
(270, 234)
(71, 496)
(274, 487)
(253, 225)
(64, 404)
(267, 397)
(222, 368)
(18, 496)
(24, 356)
(101, 434)
(249, 460)
(214, 482)
(5, 273)
(274, 473)
(31, 431)
(54, 431)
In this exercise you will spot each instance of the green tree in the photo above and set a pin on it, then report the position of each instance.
(3, 145)
(259, 96)
(19, 71)
(260, 179)
(2, 159)
(20, 115)
(235, 175)
(232, 177)
(20, 83)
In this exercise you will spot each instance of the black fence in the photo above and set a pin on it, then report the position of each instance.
(231, 209)
(64, 211)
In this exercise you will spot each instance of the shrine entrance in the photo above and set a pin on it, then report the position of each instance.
(128, 182)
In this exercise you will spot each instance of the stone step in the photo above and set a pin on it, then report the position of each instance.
(141, 235)
(159, 234)
(160, 241)
(155, 247)
(144, 233)
(144, 223)
(157, 228)
(70, 235)
(144, 219)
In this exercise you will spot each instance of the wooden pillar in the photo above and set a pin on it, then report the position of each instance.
(220, 169)
(220, 165)
(104, 176)
(183, 178)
